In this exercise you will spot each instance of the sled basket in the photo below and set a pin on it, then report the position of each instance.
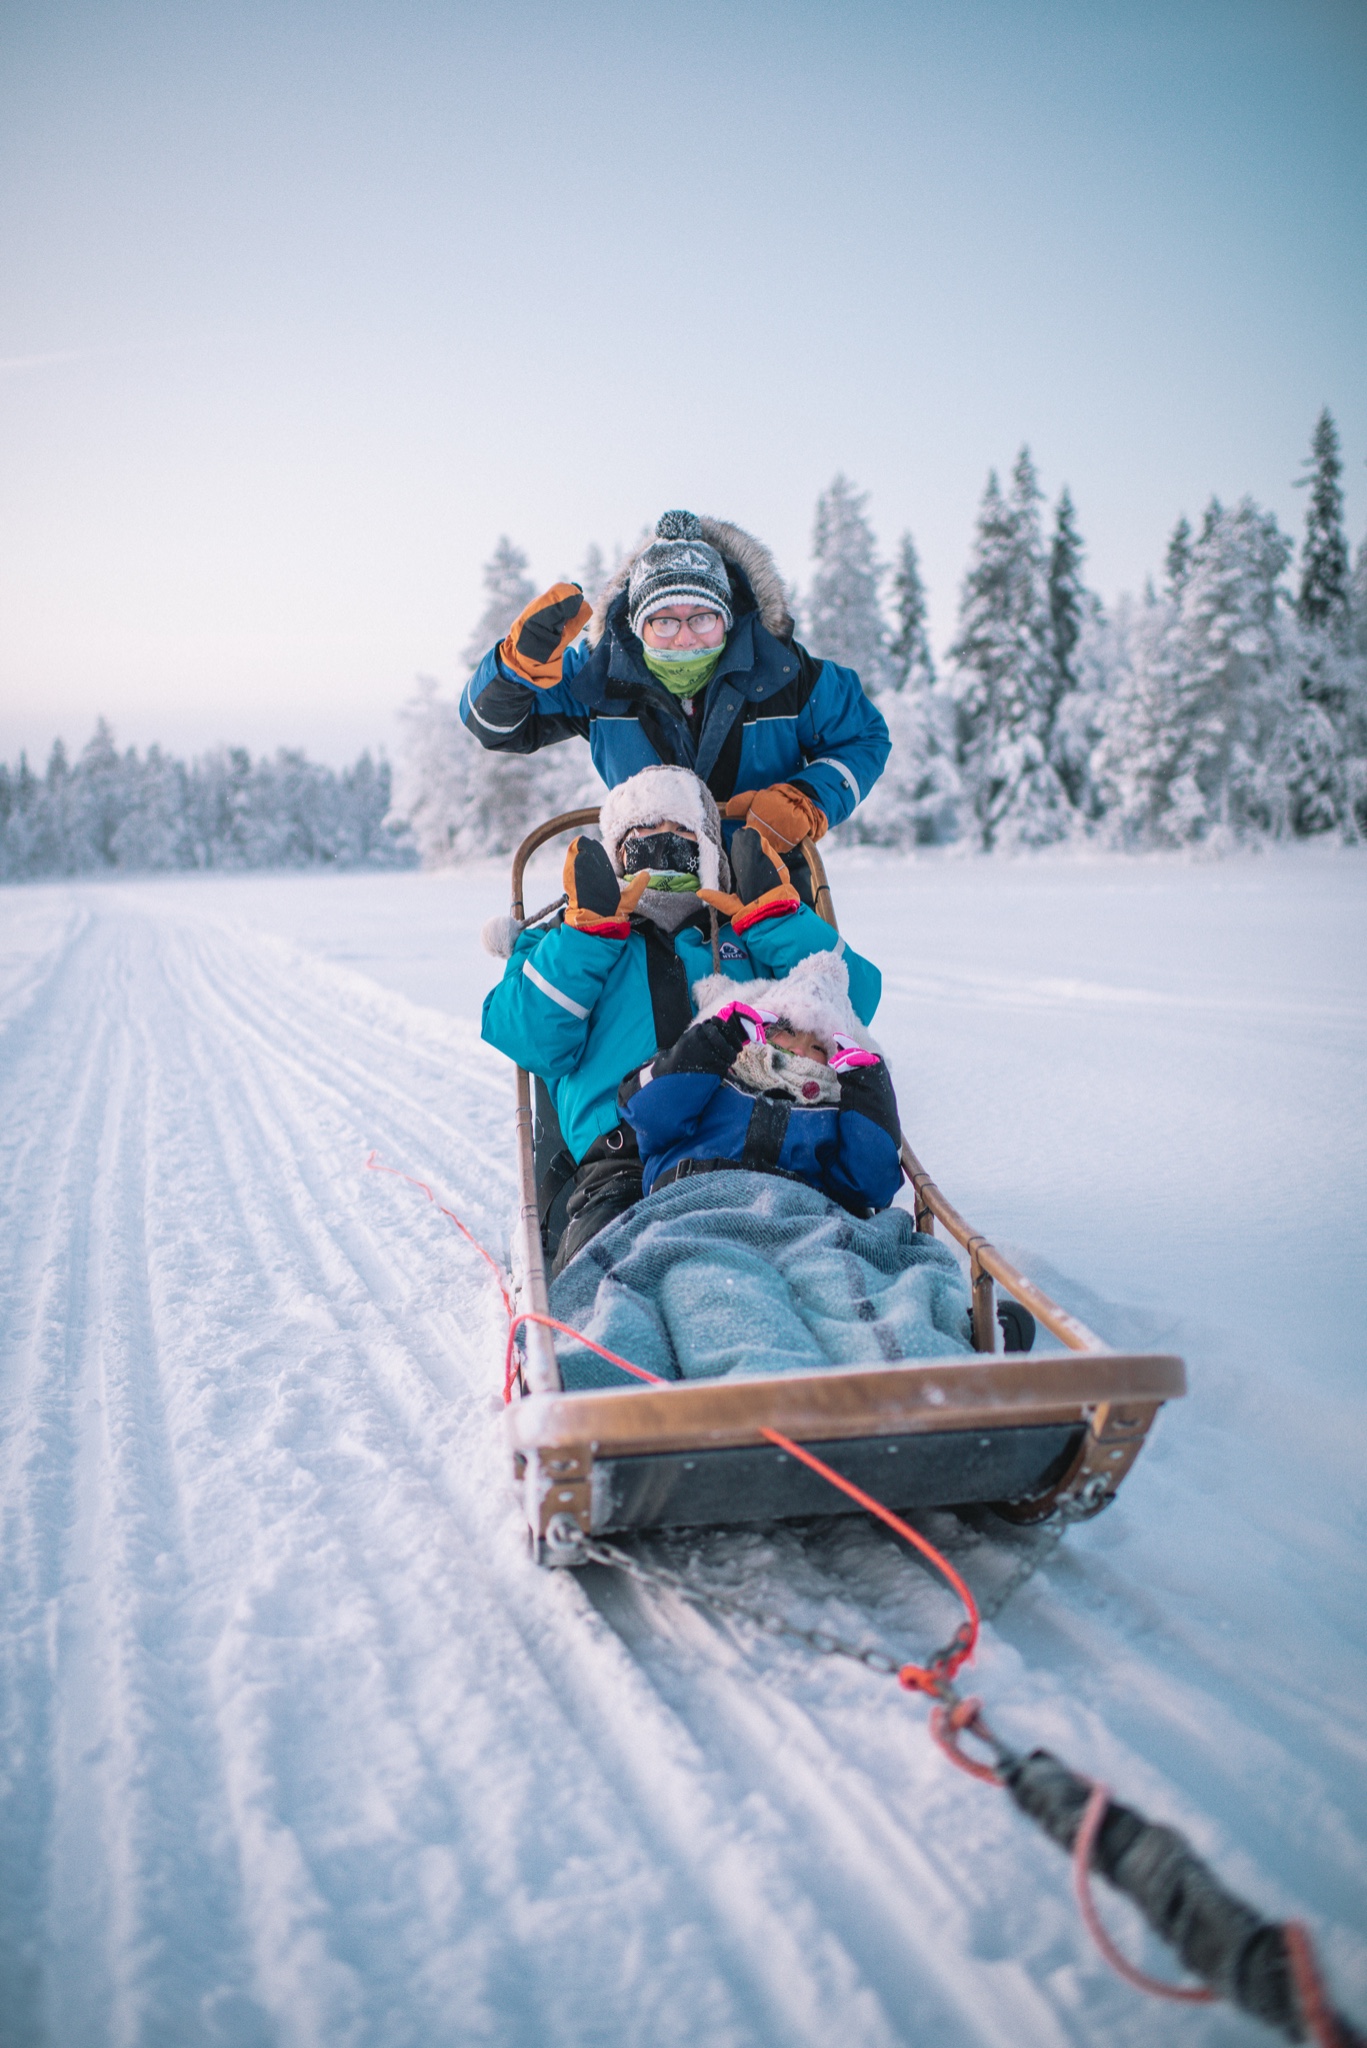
(1026, 1436)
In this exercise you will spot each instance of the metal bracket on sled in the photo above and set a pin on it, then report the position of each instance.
(557, 1494)
(1107, 1451)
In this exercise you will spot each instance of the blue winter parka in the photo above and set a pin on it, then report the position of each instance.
(688, 1108)
(771, 713)
(584, 1011)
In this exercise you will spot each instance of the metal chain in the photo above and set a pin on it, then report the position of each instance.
(822, 1641)
(1025, 1569)
(662, 1579)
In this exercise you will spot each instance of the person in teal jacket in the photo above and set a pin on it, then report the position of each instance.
(589, 1001)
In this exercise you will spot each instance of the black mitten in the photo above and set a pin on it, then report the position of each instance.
(869, 1090)
(754, 872)
(705, 1048)
(594, 891)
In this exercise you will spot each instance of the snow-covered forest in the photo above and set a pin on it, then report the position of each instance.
(112, 810)
(1227, 702)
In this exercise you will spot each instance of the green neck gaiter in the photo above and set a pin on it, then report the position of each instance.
(683, 675)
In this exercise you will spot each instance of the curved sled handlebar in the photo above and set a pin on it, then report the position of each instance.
(986, 1263)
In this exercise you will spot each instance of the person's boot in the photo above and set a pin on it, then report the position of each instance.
(1017, 1326)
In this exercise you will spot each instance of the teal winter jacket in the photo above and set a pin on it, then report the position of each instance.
(583, 1012)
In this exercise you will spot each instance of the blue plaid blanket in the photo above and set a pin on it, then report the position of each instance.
(746, 1273)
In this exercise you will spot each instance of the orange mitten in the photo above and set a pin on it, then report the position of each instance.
(535, 647)
(784, 815)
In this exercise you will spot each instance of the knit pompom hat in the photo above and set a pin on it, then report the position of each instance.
(678, 566)
(654, 794)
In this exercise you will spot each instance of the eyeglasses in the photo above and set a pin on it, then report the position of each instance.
(699, 623)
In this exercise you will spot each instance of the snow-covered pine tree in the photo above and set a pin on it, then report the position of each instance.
(915, 801)
(1357, 603)
(1322, 601)
(1067, 739)
(1318, 743)
(1067, 597)
(1003, 680)
(1177, 560)
(842, 617)
(1194, 748)
(1355, 718)
(908, 663)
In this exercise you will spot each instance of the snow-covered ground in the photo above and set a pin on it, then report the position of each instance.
(296, 1747)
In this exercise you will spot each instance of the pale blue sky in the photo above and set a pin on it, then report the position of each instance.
(305, 304)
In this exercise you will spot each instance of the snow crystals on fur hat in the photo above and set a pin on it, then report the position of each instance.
(654, 794)
(814, 997)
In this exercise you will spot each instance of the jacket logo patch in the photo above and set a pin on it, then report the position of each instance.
(729, 950)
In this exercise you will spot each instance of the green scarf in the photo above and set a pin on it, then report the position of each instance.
(683, 675)
(671, 883)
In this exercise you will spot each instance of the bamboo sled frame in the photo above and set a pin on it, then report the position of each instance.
(1064, 1431)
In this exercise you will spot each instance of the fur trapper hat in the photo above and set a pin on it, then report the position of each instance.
(654, 794)
(814, 997)
(739, 550)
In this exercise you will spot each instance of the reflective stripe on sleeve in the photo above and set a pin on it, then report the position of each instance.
(476, 713)
(557, 995)
(829, 761)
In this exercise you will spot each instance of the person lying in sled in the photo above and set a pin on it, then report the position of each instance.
(689, 660)
(594, 998)
(772, 1091)
(766, 1240)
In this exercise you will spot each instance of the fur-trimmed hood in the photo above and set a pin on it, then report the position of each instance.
(649, 797)
(755, 581)
(814, 997)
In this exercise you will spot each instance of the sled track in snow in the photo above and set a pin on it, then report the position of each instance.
(296, 1747)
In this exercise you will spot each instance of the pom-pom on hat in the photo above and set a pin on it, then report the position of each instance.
(679, 566)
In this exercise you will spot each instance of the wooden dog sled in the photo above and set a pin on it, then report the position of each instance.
(1031, 1437)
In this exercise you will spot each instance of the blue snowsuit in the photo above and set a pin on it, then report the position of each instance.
(583, 1011)
(771, 713)
(689, 1114)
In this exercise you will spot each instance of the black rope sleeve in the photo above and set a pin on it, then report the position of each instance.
(1241, 1956)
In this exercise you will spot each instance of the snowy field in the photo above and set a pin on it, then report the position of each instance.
(296, 1747)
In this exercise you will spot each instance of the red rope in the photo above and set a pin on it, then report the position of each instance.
(374, 1164)
(1093, 1814)
(1320, 2024)
(528, 1315)
(932, 1677)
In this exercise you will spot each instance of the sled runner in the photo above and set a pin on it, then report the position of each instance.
(1030, 1437)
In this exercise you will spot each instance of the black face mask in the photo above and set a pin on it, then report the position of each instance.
(662, 852)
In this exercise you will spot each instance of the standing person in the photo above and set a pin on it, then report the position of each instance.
(690, 660)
